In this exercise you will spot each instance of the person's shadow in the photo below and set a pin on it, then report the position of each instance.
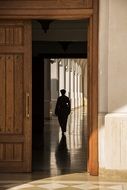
(63, 156)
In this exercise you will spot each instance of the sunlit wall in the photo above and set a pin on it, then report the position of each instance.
(112, 84)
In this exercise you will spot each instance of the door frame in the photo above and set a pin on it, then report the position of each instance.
(92, 116)
(75, 14)
(93, 163)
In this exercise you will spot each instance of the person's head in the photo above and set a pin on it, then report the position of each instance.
(63, 91)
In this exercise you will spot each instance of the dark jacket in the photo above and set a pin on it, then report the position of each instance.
(63, 106)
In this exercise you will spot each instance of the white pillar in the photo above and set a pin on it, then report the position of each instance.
(72, 84)
(54, 85)
(75, 78)
(69, 63)
(80, 85)
(67, 77)
(78, 88)
(61, 75)
(84, 80)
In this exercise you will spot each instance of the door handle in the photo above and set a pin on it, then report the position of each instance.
(27, 105)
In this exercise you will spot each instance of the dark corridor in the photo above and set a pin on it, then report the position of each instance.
(54, 154)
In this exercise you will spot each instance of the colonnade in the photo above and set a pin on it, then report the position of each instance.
(68, 74)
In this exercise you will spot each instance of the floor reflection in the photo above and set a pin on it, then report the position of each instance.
(62, 156)
(56, 154)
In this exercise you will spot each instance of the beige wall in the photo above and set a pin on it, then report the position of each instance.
(103, 76)
(117, 64)
(113, 84)
(103, 56)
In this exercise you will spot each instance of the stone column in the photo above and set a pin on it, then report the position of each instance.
(85, 85)
(81, 88)
(72, 83)
(61, 75)
(76, 85)
(67, 77)
(54, 85)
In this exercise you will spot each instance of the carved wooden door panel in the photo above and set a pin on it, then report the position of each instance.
(15, 96)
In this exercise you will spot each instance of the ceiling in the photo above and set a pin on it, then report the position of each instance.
(60, 30)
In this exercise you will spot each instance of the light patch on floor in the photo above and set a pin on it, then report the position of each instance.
(71, 185)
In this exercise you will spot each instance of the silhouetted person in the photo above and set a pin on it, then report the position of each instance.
(62, 110)
(63, 156)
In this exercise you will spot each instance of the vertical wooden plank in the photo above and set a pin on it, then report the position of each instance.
(2, 93)
(9, 152)
(1, 152)
(85, 3)
(9, 93)
(18, 35)
(7, 35)
(15, 82)
(11, 35)
(89, 4)
(18, 93)
(18, 152)
(2, 35)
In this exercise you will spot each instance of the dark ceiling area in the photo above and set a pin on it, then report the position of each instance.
(63, 38)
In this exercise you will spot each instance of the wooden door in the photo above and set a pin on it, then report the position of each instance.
(15, 96)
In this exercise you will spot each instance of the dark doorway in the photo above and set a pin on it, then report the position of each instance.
(37, 108)
(73, 47)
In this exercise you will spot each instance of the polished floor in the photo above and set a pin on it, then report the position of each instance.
(76, 181)
(59, 161)
(56, 154)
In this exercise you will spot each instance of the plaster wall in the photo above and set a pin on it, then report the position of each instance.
(117, 65)
(112, 85)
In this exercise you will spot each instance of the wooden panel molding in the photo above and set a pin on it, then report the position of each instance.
(11, 69)
(45, 9)
(15, 77)
(45, 4)
(11, 152)
(11, 35)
